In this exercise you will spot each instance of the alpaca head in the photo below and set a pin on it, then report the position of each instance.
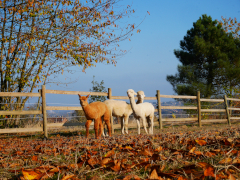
(83, 100)
(140, 95)
(131, 93)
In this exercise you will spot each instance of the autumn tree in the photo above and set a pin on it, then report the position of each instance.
(42, 38)
(230, 25)
(209, 59)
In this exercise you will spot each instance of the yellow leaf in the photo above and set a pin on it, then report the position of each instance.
(30, 174)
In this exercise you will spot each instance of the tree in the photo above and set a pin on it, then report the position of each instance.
(231, 26)
(97, 88)
(41, 39)
(210, 60)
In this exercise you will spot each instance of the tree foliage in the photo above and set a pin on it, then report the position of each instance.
(42, 38)
(97, 88)
(209, 59)
(231, 25)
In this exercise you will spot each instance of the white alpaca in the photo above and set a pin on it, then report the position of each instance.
(144, 111)
(123, 110)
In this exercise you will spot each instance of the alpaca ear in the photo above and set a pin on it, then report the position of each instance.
(79, 95)
(135, 93)
(87, 96)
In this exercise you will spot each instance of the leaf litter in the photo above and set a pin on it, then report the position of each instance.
(199, 154)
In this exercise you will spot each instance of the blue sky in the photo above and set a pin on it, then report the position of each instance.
(150, 58)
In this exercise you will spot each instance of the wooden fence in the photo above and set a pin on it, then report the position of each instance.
(42, 93)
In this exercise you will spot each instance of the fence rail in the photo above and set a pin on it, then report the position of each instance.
(42, 93)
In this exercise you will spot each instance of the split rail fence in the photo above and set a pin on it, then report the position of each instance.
(42, 93)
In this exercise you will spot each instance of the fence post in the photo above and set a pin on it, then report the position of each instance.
(44, 111)
(159, 109)
(110, 97)
(226, 106)
(199, 109)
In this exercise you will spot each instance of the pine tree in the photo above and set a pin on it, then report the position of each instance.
(209, 59)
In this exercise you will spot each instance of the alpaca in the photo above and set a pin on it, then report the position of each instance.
(120, 109)
(142, 111)
(95, 110)
(123, 110)
(140, 95)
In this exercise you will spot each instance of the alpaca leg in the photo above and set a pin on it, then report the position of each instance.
(149, 124)
(122, 124)
(103, 127)
(107, 117)
(109, 128)
(96, 126)
(152, 122)
(87, 125)
(100, 128)
(138, 125)
(144, 124)
(118, 119)
(126, 124)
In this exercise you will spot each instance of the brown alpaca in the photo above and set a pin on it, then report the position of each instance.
(96, 111)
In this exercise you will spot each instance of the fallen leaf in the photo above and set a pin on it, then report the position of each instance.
(117, 167)
(68, 177)
(109, 153)
(30, 174)
(201, 142)
(192, 150)
(105, 161)
(231, 177)
(146, 152)
(34, 158)
(154, 175)
(237, 160)
(182, 178)
(225, 161)
(159, 149)
(131, 177)
(209, 171)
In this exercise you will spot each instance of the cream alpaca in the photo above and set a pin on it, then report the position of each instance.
(144, 111)
(123, 110)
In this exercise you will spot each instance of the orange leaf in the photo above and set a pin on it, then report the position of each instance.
(154, 175)
(203, 165)
(117, 165)
(109, 153)
(231, 177)
(92, 161)
(236, 161)
(105, 161)
(209, 154)
(68, 177)
(209, 171)
(198, 152)
(201, 142)
(181, 178)
(34, 158)
(159, 149)
(192, 150)
(225, 161)
(130, 177)
(146, 152)
(30, 174)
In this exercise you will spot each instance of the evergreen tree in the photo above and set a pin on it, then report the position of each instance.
(210, 60)
(97, 88)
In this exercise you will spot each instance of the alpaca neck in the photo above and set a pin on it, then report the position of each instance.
(86, 108)
(133, 104)
(139, 101)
